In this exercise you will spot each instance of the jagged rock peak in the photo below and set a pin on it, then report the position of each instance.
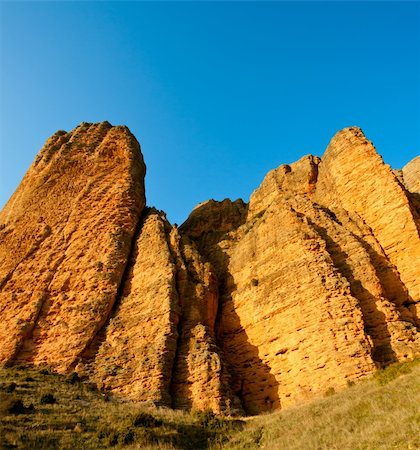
(211, 215)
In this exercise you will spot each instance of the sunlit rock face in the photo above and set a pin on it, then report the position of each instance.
(411, 175)
(65, 239)
(310, 297)
(354, 177)
(159, 345)
(247, 307)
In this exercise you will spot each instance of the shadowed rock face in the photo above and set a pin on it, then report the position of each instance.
(246, 307)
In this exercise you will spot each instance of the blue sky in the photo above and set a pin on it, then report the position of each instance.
(217, 93)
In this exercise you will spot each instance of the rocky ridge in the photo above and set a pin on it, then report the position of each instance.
(247, 307)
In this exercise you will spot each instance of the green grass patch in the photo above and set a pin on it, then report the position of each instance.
(390, 373)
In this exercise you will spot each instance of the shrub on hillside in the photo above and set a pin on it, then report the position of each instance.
(47, 399)
(10, 405)
(143, 419)
(390, 373)
(73, 378)
(11, 387)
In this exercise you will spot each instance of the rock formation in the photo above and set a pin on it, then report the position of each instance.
(159, 345)
(65, 238)
(411, 175)
(245, 308)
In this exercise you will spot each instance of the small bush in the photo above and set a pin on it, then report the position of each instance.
(329, 392)
(73, 378)
(205, 417)
(48, 399)
(144, 419)
(11, 387)
(210, 422)
(390, 373)
(16, 406)
(127, 437)
(91, 387)
(9, 404)
(123, 435)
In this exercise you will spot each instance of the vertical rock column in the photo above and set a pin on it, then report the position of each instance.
(65, 236)
(159, 345)
(134, 355)
(200, 380)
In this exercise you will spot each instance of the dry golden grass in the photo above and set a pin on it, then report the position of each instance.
(380, 413)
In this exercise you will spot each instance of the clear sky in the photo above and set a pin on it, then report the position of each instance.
(217, 93)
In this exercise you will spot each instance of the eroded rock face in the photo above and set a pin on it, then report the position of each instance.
(246, 307)
(354, 177)
(159, 346)
(200, 379)
(134, 353)
(314, 283)
(64, 242)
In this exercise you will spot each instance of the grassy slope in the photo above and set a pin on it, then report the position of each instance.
(83, 418)
(376, 414)
(381, 413)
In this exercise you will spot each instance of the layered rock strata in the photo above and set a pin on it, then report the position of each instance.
(246, 307)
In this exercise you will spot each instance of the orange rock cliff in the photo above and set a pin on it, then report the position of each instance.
(245, 308)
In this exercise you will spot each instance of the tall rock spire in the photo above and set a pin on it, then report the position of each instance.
(65, 237)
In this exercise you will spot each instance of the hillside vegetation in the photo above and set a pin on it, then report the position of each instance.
(40, 410)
